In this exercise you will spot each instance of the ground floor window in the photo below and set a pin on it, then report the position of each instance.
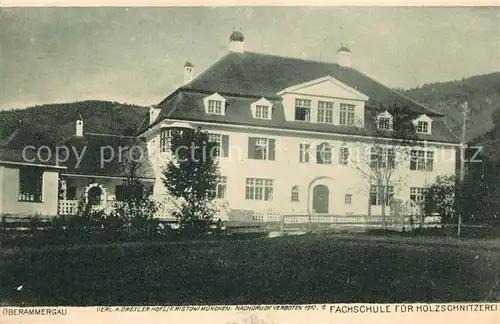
(220, 188)
(259, 189)
(30, 184)
(295, 194)
(377, 194)
(348, 199)
(417, 194)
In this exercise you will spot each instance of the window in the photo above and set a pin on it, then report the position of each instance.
(303, 109)
(324, 154)
(417, 194)
(262, 112)
(217, 140)
(377, 194)
(220, 188)
(215, 107)
(166, 139)
(382, 157)
(344, 155)
(348, 199)
(295, 194)
(385, 123)
(422, 127)
(261, 148)
(30, 184)
(346, 114)
(259, 189)
(71, 193)
(126, 192)
(305, 153)
(422, 160)
(325, 112)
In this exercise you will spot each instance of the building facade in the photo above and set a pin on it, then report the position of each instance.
(295, 135)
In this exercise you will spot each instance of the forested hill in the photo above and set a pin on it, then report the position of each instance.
(52, 123)
(482, 93)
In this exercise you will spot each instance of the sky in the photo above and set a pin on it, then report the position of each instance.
(136, 55)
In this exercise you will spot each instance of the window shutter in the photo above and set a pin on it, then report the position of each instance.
(251, 147)
(272, 149)
(225, 145)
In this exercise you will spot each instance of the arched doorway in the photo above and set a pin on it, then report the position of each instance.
(94, 196)
(320, 199)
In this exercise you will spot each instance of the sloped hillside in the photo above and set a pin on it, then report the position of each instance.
(482, 93)
(51, 124)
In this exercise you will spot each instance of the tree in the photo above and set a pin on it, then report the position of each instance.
(388, 133)
(191, 177)
(440, 198)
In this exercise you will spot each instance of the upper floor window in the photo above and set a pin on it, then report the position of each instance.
(324, 154)
(215, 107)
(215, 104)
(30, 184)
(221, 143)
(421, 160)
(259, 189)
(305, 154)
(261, 148)
(262, 112)
(382, 157)
(303, 109)
(423, 124)
(422, 127)
(344, 155)
(325, 112)
(346, 114)
(384, 121)
(295, 194)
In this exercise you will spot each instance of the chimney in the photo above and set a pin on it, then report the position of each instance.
(344, 56)
(79, 126)
(236, 42)
(188, 72)
(154, 111)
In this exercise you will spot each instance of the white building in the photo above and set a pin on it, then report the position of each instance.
(273, 115)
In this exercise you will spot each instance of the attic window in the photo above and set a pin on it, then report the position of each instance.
(303, 109)
(422, 127)
(384, 123)
(215, 107)
(262, 112)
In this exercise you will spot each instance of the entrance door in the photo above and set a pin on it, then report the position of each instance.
(94, 196)
(320, 199)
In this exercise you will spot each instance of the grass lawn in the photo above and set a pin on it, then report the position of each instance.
(301, 269)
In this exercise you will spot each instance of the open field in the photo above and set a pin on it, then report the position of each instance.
(301, 269)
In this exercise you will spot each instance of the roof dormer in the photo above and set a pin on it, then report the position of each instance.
(262, 109)
(423, 124)
(215, 104)
(384, 121)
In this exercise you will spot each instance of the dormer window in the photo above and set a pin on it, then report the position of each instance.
(303, 109)
(215, 104)
(423, 124)
(262, 109)
(262, 112)
(384, 121)
(422, 127)
(215, 107)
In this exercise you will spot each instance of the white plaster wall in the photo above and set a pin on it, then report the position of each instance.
(287, 171)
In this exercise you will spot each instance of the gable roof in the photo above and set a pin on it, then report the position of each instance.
(102, 155)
